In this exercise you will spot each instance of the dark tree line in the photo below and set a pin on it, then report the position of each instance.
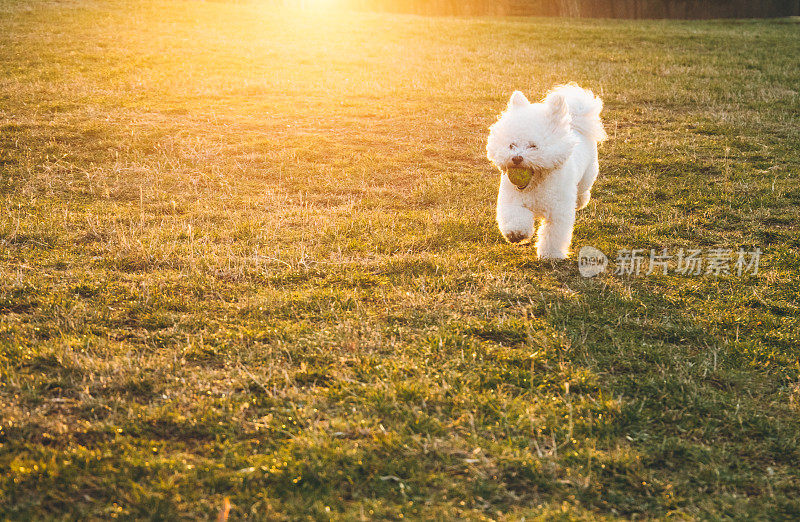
(683, 9)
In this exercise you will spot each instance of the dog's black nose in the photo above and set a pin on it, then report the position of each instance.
(517, 160)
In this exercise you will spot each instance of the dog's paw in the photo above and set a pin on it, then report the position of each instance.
(555, 255)
(516, 237)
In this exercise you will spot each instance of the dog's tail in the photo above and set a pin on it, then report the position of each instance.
(584, 109)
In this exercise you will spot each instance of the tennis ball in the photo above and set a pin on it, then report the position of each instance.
(519, 177)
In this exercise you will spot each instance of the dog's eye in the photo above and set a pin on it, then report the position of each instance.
(531, 145)
(511, 146)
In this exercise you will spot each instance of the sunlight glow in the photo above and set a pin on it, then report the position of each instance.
(314, 5)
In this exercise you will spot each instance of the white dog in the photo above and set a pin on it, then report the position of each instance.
(556, 142)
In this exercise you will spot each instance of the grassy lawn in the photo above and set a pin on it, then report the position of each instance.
(251, 254)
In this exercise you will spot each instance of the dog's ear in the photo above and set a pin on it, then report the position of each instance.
(558, 110)
(518, 100)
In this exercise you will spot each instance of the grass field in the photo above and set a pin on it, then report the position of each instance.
(251, 254)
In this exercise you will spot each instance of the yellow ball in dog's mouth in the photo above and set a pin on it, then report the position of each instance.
(519, 177)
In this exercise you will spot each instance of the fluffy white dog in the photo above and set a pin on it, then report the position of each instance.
(547, 154)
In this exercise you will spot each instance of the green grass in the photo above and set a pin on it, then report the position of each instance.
(251, 253)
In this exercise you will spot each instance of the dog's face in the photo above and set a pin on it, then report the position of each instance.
(534, 136)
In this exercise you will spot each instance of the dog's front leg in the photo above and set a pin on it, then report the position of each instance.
(555, 235)
(513, 219)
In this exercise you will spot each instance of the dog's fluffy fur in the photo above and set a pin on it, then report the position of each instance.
(557, 140)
